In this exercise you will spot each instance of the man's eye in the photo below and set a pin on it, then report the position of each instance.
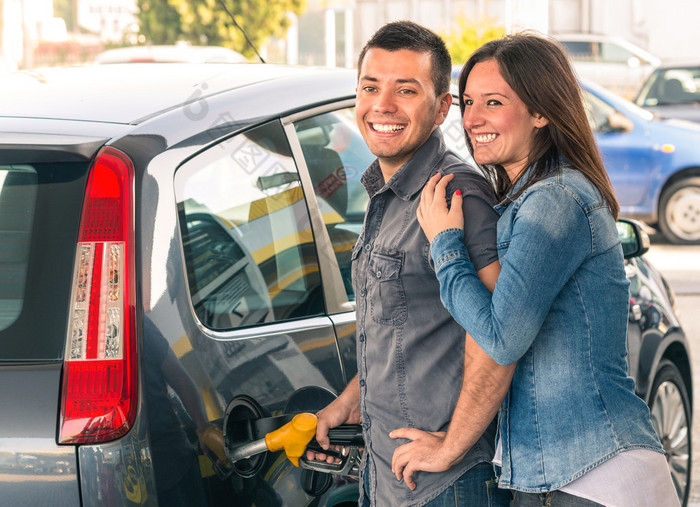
(406, 92)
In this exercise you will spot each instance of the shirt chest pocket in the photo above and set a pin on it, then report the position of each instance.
(386, 296)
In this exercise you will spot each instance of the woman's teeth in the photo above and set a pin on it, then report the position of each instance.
(485, 138)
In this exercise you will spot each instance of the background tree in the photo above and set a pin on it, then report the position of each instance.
(208, 22)
(467, 36)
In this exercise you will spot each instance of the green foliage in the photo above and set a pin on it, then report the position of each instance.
(208, 22)
(64, 9)
(467, 36)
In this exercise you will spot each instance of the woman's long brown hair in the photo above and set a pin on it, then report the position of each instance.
(539, 71)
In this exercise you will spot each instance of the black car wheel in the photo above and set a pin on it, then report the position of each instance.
(679, 211)
(670, 415)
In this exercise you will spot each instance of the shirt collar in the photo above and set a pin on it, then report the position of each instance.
(412, 176)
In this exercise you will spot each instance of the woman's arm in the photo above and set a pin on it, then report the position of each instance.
(550, 239)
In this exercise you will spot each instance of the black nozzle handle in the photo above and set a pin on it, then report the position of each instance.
(348, 435)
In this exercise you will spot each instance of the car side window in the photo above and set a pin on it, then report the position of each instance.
(614, 53)
(580, 50)
(246, 233)
(336, 156)
(597, 112)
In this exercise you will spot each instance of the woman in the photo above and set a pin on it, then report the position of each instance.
(571, 429)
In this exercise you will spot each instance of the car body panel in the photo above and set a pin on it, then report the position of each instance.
(34, 470)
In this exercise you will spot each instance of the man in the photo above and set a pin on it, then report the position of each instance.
(411, 353)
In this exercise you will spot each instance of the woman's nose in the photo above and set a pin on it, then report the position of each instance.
(472, 117)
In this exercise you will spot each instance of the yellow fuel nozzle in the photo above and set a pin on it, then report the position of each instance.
(293, 437)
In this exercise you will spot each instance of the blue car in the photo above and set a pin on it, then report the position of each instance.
(654, 163)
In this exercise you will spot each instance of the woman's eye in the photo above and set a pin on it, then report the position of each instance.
(468, 102)
(493, 102)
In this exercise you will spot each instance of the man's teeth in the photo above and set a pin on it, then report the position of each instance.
(485, 138)
(383, 127)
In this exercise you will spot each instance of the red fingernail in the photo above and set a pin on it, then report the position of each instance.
(459, 193)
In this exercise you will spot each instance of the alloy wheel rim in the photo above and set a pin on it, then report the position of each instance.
(683, 213)
(671, 424)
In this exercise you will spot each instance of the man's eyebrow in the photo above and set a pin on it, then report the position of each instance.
(406, 80)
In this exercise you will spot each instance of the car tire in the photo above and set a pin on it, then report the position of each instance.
(671, 417)
(679, 211)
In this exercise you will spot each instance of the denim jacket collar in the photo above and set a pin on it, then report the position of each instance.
(412, 176)
(501, 206)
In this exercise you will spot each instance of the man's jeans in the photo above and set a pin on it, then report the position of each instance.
(553, 499)
(477, 487)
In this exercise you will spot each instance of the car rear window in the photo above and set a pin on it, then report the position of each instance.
(39, 214)
(17, 201)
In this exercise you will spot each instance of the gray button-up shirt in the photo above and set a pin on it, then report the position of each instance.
(410, 351)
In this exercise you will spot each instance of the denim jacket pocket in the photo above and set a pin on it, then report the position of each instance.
(387, 299)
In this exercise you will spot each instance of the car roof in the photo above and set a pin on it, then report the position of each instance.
(679, 64)
(170, 54)
(132, 93)
(592, 37)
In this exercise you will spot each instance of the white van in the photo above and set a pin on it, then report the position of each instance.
(609, 61)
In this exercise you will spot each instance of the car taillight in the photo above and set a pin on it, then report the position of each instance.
(98, 398)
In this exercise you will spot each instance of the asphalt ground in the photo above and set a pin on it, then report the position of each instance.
(680, 265)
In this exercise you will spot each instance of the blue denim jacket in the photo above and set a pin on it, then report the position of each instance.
(560, 310)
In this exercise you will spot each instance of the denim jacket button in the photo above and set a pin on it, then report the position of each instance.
(362, 383)
(362, 337)
(368, 247)
(379, 274)
(363, 293)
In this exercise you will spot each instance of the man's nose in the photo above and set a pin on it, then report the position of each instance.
(385, 101)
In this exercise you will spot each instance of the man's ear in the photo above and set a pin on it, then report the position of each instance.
(444, 104)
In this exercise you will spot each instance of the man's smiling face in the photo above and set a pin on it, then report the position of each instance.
(396, 107)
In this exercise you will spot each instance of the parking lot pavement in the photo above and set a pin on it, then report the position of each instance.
(688, 306)
(680, 266)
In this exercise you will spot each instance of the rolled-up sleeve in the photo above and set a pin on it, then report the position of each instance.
(550, 239)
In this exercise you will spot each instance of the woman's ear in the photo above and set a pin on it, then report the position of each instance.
(540, 121)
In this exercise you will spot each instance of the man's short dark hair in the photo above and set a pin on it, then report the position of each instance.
(399, 35)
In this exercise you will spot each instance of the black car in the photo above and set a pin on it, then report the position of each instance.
(175, 244)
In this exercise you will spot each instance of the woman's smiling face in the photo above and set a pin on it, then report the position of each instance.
(500, 127)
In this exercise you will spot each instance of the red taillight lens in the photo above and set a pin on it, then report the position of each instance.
(98, 399)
